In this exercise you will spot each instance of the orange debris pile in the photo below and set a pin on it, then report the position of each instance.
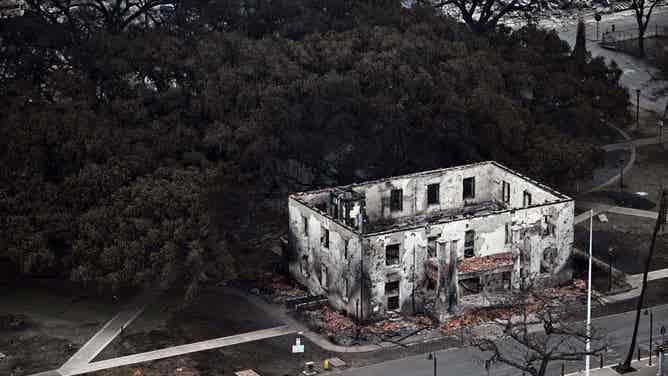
(473, 317)
(280, 284)
(576, 288)
(335, 321)
(476, 264)
(385, 327)
(422, 321)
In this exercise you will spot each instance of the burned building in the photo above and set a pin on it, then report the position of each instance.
(429, 241)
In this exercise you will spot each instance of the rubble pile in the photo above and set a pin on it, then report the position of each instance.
(476, 264)
(577, 288)
(473, 317)
(281, 289)
(334, 321)
(385, 327)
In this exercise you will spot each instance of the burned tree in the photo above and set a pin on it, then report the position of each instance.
(660, 223)
(482, 16)
(533, 328)
(643, 11)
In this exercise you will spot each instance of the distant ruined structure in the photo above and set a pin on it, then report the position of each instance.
(12, 8)
(431, 241)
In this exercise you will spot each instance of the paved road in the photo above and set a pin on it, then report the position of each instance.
(466, 361)
(636, 142)
(637, 74)
(602, 208)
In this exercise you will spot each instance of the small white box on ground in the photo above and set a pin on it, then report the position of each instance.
(247, 372)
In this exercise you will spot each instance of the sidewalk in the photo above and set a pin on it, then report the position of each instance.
(642, 369)
(636, 142)
(109, 331)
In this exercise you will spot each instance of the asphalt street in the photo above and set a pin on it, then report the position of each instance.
(468, 361)
(637, 74)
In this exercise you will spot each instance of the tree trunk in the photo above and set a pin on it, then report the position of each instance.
(543, 367)
(626, 366)
(641, 43)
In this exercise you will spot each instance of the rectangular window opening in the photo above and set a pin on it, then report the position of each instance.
(432, 194)
(324, 237)
(469, 188)
(392, 288)
(505, 192)
(323, 277)
(505, 278)
(345, 249)
(509, 234)
(431, 246)
(527, 199)
(392, 254)
(396, 200)
(470, 286)
(469, 244)
(392, 303)
(305, 225)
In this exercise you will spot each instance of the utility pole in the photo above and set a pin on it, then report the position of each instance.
(588, 339)
(660, 221)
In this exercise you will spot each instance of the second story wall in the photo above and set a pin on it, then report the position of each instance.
(415, 192)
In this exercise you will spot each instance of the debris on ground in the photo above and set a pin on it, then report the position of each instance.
(336, 362)
(577, 288)
(335, 321)
(14, 322)
(247, 372)
(477, 264)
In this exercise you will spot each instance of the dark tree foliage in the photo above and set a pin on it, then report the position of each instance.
(157, 154)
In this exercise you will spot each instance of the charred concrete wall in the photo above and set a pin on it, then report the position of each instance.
(544, 232)
(414, 189)
(519, 184)
(354, 267)
(409, 271)
(310, 257)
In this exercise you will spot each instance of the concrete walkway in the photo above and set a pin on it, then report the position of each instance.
(636, 142)
(636, 73)
(602, 208)
(109, 331)
(629, 164)
(282, 314)
(179, 350)
(642, 369)
(635, 280)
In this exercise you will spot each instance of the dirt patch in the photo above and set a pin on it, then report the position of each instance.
(30, 350)
(630, 239)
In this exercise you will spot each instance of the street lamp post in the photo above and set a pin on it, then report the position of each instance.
(597, 17)
(660, 126)
(432, 356)
(413, 275)
(651, 324)
(637, 108)
(621, 174)
(610, 254)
